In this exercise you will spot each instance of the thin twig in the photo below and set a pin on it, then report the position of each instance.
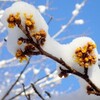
(12, 98)
(44, 77)
(27, 97)
(36, 91)
(8, 92)
(50, 20)
(30, 86)
(48, 94)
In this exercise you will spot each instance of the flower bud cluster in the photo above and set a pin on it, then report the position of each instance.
(13, 20)
(85, 56)
(39, 36)
(29, 24)
(20, 55)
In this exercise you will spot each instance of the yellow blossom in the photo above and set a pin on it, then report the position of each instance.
(85, 56)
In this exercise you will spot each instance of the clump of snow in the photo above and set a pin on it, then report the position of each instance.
(77, 8)
(6, 73)
(42, 8)
(75, 12)
(69, 51)
(36, 71)
(2, 63)
(1, 12)
(47, 71)
(1, 25)
(79, 22)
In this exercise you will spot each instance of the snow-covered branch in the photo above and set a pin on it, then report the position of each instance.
(28, 32)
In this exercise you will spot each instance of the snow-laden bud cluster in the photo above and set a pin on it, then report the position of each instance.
(26, 15)
(79, 54)
(85, 55)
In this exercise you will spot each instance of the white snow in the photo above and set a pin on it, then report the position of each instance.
(79, 22)
(42, 8)
(77, 8)
(75, 12)
(47, 71)
(35, 71)
(1, 25)
(1, 12)
(69, 50)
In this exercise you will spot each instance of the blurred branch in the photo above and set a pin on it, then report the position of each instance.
(48, 94)
(71, 20)
(27, 96)
(36, 82)
(8, 92)
(36, 91)
(4, 62)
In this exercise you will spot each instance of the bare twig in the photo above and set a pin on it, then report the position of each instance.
(30, 86)
(8, 92)
(48, 94)
(36, 91)
(44, 77)
(12, 98)
(50, 20)
(27, 96)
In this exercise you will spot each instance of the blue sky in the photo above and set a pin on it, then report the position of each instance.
(90, 13)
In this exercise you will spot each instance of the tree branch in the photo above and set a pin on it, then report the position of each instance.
(27, 96)
(60, 61)
(36, 91)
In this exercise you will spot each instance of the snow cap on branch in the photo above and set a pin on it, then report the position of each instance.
(80, 53)
(29, 17)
